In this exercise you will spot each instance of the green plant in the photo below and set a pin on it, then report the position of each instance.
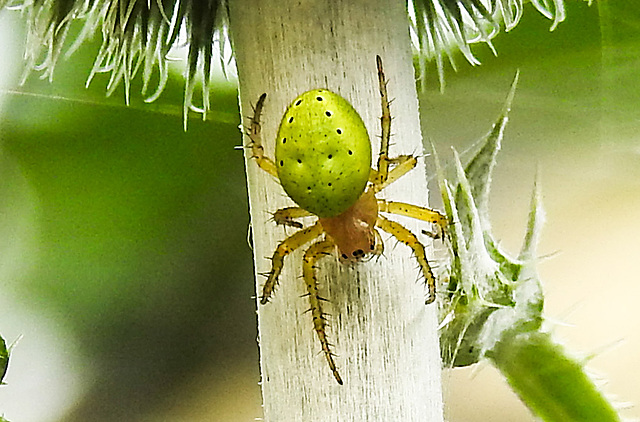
(494, 304)
(4, 364)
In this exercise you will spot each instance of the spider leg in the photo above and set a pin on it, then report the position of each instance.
(285, 247)
(385, 122)
(383, 176)
(405, 236)
(287, 216)
(403, 165)
(379, 248)
(417, 212)
(257, 150)
(312, 255)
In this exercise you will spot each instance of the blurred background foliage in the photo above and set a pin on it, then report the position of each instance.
(133, 246)
(124, 259)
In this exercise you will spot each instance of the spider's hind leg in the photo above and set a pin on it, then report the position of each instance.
(312, 255)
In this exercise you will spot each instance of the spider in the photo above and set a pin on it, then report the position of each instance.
(323, 162)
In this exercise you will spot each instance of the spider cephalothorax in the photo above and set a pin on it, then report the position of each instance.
(323, 162)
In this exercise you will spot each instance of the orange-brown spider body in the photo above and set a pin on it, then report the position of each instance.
(353, 231)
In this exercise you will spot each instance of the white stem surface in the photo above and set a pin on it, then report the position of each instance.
(384, 336)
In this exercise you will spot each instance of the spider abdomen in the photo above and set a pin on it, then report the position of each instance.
(323, 153)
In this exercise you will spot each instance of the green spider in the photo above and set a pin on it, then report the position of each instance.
(323, 162)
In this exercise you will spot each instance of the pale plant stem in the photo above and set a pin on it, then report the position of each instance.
(384, 336)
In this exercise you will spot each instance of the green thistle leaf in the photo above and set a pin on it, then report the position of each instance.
(4, 359)
(494, 302)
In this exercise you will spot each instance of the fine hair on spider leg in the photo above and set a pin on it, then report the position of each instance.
(315, 252)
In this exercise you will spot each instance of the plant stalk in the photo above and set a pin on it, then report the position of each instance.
(384, 336)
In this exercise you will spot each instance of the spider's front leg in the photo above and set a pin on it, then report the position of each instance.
(405, 236)
(417, 212)
(285, 247)
(254, 132)
(314, 253)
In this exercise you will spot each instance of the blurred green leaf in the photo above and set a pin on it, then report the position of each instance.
(4, 359)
